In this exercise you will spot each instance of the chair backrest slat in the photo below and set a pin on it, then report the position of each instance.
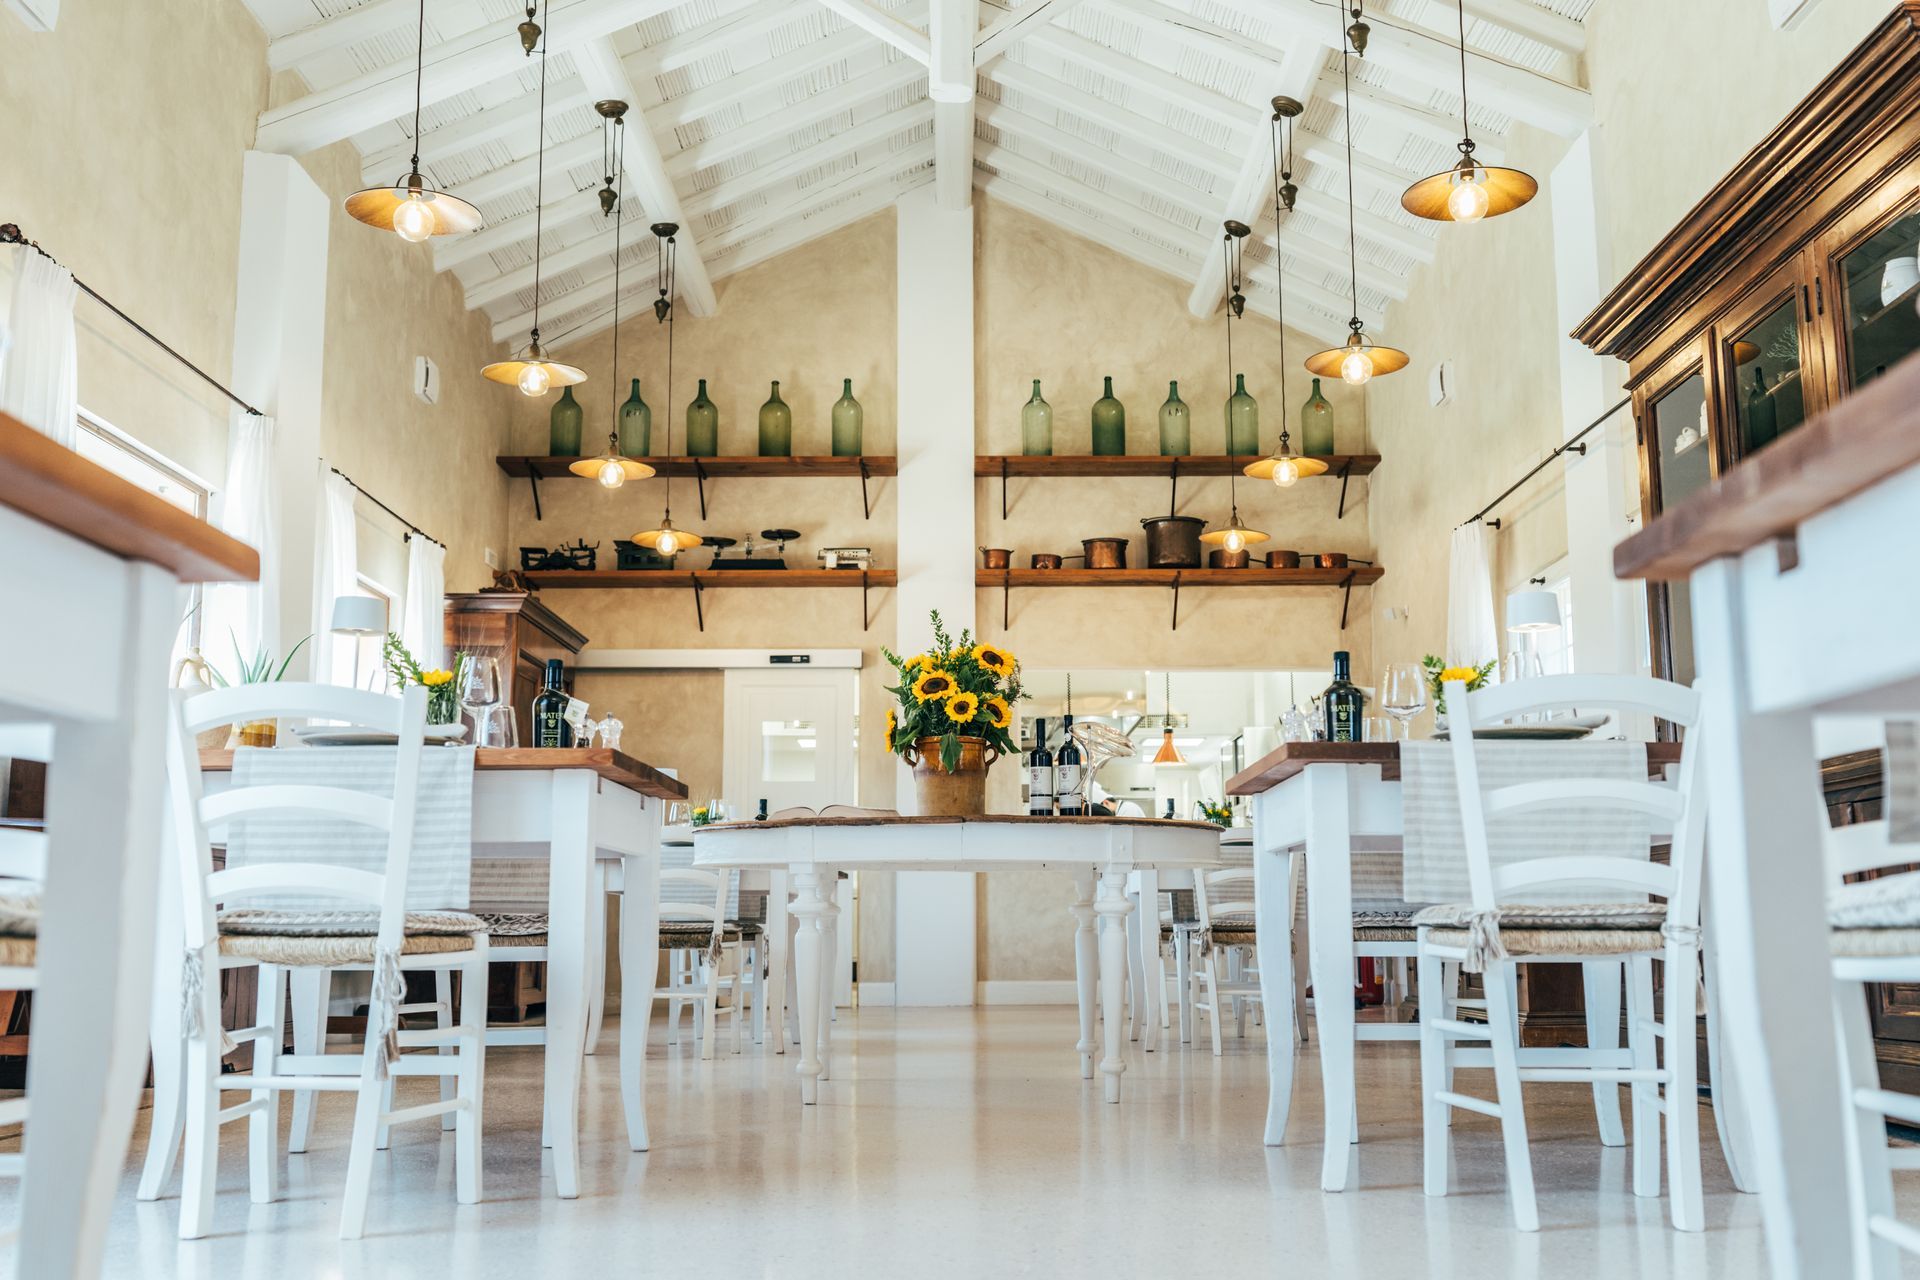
(1661, 802)
(234, 883)
(23, 854)
(338, 803)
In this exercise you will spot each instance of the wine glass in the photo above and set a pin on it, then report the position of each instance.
(479, 692)
(1403, 694)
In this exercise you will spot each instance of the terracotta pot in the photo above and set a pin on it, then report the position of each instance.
(1333, 559)
(1105, 553)
(960, 794)
(1229, 559)
(996, 557)
(1283, 559)
(1046, 560)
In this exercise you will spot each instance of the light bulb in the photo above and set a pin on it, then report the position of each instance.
(1467, 202)
(666, 544)
(413, 221)
(534, 379)
(1235, 541)
(1356, 367)
(611, 474)
(1286, 473)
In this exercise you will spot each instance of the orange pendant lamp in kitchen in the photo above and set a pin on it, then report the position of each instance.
(1470, 190)
(666, 539)
(410, 208)
(530, 369)
(1283, 466)
(613, 469)
(1169, 752)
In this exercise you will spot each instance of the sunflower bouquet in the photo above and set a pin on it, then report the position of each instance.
(443, 685)
(957, 689)
(1440, 675)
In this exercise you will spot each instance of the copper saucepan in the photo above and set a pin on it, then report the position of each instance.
(1224, 559)
(1045, 560)
(1333, 559)
(996, 557)
(1105, 553)
(1283, 559)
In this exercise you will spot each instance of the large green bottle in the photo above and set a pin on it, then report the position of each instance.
(1243, 420)
(776, 426)
(1176, 425)
(636, 425)
(703, 425)
(1316, 425)
(563, 426)
(1109, 425)
(1036, 426)
(847, 418)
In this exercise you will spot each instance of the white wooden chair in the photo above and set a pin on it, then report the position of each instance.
(1223, 906)
(375, 932)
(711, 945)
(23, 867)
(1495, 934)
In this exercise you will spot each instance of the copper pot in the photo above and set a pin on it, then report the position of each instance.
(1283, 559)
(1105, 553)
(1173, 542)
(1229, 559)
(1046, 560)
(1333, 559)
(997, 557)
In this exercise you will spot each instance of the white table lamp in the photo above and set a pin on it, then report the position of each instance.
(1533, 611)
(358, 616)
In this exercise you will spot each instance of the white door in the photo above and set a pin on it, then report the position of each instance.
(791, 740)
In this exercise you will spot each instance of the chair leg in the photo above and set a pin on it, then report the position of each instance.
(710, 1008)
(383, 1134)
(1433, 1078)
(309, 990)
(443, 1017)
(470, 1085)
(756, 991)
(1869, 1175)
(202, 1142)
(263, 1126)
(738, 993)
(1646, 1093)
(1211, 963)
(1450, 1005)
(369, 1103)
(1683, 1099)
(1602, 979)
(1238, 966)
(1503, 1026)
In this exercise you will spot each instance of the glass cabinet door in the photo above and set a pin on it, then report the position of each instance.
(1680, 457)
(1764, 374)
(1881, 278)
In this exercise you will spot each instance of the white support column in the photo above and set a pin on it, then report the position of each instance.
(279, 335)
(950, 83)
(934, 910)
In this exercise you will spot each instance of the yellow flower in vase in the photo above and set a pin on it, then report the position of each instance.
(434, 679)
(962, 708)
(996, 661)
(932, 685)
(1465, 675)
(893, 725)
(999, 714)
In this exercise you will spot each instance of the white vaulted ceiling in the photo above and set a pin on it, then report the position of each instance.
(1139, 124)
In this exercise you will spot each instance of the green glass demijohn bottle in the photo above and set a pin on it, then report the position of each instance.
(1036, 426)
(1316, 425)
(563, 426)
(847, 418)
(703, 425)
(776, 426)
(636, 425)
(1243, 420)
(1176, 425)
(1109, 424)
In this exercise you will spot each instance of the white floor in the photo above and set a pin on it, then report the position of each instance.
(951, 1143)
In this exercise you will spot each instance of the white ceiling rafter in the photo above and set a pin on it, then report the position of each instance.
(780, 123)
(1145, 130)
(511, 118)
(885, 25)
(1010, 25)
(1372, 102)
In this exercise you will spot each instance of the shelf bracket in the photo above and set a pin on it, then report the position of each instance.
(1176, 598)
(1346, 470)
(700, 479)
(865, 501)
(1346, 597)
(866, 619)
(533, 482)
(699, 612)
(1006, 592)
(1003, 488)
(1173, 492)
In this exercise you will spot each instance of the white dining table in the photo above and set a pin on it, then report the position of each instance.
(1098, 853)
(96, 567)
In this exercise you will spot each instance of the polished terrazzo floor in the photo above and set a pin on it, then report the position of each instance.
(952, 1143)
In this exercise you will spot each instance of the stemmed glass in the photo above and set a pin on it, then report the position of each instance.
(493, 724)
(1403, 694)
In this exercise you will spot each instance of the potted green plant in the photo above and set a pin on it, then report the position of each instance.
(953, 713)
(256, 670)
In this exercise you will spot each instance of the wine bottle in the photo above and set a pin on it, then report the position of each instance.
(1343, 703)
(1040, 773)
(762, 815)
(550, 727)
(1169, 813)
(1066, 774)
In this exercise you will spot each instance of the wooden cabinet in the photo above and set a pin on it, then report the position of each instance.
(1789, 286)
(519, 631)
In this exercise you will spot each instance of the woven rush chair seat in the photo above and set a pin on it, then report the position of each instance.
(1862, 944)
(1570, 929)
(333, 938)
(515, 928)
(19, 929)
(681, 935)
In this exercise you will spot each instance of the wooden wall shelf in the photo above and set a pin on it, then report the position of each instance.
(534, 469)
(1015, 466)
(700, 581)
(1174, 579)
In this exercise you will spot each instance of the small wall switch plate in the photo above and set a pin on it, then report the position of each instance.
(426, 380)
(1440, 383)
(493, 558)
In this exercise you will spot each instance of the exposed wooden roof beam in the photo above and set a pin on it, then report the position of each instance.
(375, 18)
(950, 83)
(1196, 98)
(885, 25)
(729, 29)
(1144, 130)
(1142, 177)
(1013, 24)
(1416, 119)
(452, 251)
(784, 120)
(524, 172)
(792, 165)
(490, 124)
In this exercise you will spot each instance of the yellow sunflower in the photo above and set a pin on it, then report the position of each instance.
(933, 684)
(1465, 675)
(1000, 715)
(962, 707)
(997, 661)
(920, 660)
(893, 724)
(434, 679)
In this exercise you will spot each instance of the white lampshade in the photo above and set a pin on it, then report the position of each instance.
(359, 616)
(1533, 611)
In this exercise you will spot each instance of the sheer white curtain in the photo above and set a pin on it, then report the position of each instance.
(333, 576)
(39, 376)
(246, 613)
(422, 624)
(1472, 637)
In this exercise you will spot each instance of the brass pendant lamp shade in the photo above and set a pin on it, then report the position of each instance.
(613, 469)
(410, 208)
(1469, 191)
(1283, 466)
(664, 538)
(531, 369)
(1235, 536)
(1358, 359)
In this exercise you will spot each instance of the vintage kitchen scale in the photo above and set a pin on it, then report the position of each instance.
(747, 559)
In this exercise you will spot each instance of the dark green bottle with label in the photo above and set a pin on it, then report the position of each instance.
(550, 727)
(1343, 702)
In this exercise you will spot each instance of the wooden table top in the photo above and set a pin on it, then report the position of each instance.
(1872, 434)
(1290, 758)
(614, 766)
(915, 820)
(44, 479)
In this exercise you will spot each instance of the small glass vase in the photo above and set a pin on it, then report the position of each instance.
(636, 425)
(703, 425)
(1036, 426)
(563, 426)
(847, 418)
(1316, 425)
(1243, 420)
(776, 426)
(1176, 425)
(1109, 425)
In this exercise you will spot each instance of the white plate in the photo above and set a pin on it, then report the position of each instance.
(321, 735)
(1540, 730)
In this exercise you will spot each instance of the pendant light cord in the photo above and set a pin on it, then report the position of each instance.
(1346, 118)
(1230, 260)
(1280, 267)
(1466, 126)
(540, 163)
(617, 127)
(664, 248)
(419, 67)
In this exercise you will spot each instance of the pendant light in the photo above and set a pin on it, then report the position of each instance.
(410, 208)
(1236, 537)
(1169, 752)
(1283, 466)
(1356, 360)
(614, 469)
(666, 539)
(1470, 190)
(530, 369)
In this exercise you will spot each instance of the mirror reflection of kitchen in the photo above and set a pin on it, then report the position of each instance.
(1769, 399)
(1882, 280)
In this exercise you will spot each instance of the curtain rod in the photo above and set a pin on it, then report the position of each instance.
(10, 233)
(412, 528)
(1572, 445)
